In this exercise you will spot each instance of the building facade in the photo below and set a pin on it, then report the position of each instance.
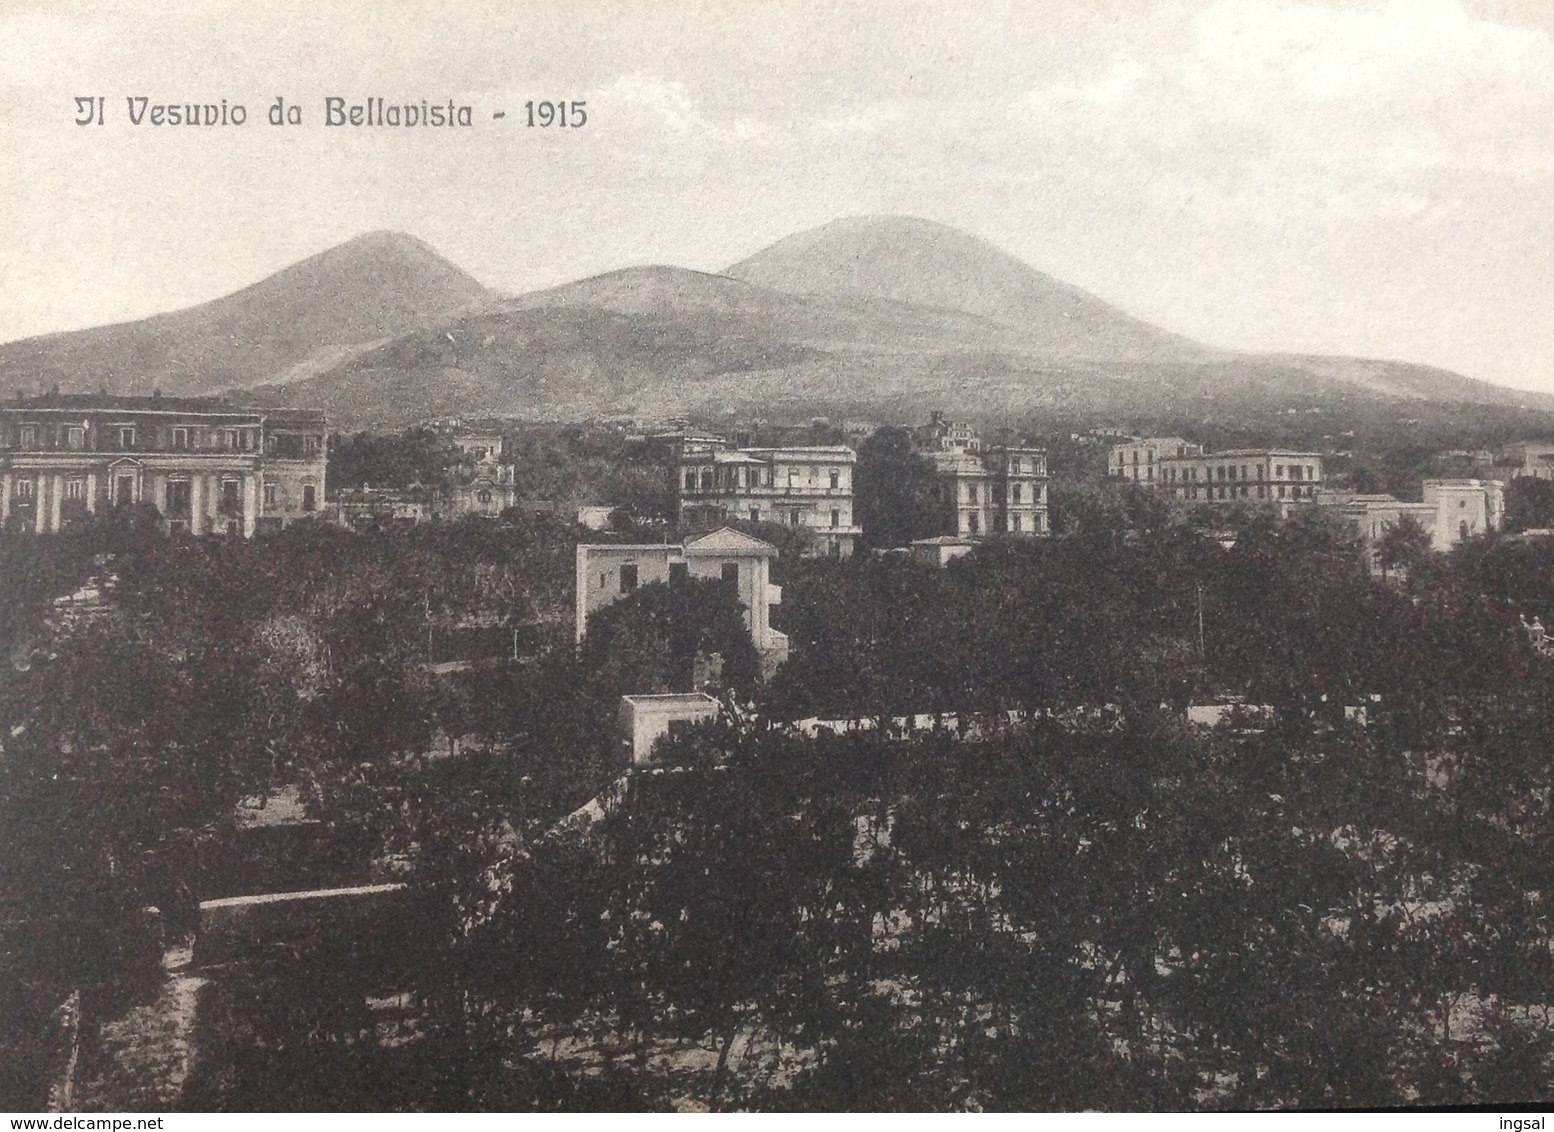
(803, 487)
(607, 572)
(993, 491)
(1253, 475)
(1451, 512)
(207, 466)
(1136, 460)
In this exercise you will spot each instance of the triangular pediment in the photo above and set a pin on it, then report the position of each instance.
(727, 540)
(125, 464)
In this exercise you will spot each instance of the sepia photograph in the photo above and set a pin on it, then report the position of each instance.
(776, 556)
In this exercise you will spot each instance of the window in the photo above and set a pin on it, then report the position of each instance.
(793, 517)
(179, 497)
(484, 496)
(973, 522)
(269, 496)
(75, 489)
(75, 438)
(126, 438)
(836, 518)
(1016, 521)
(309, 497)
(124, 490)
(181, 439)
(310, 446)
(29, 436)
(1279, 472)
(836, 479)
(1281, 491)
(690, 479)
(678, 573)
(755, 514)
(971, 493)
(628, 578)
(24, 491)
(1462, 529)
(730, 572)
(706, 479)
(231, 495)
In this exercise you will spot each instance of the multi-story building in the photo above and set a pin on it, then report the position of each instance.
(1000, 490)
(985, 490)
(607, 572)
(206, 465)
(1254, 475)
(941, 434)
(805, 487)
(1136, 460)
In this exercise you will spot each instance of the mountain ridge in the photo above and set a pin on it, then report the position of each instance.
(863, 311)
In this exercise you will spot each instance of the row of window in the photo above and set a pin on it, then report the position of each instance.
(1016, 524)
(731, 476)
(1244, 491)
(179, 438)
(179, 493)
(678, 572)
(1295, 472)
(1015, 495)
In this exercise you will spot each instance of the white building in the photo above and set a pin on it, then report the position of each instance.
(1451, 511)
(803, 487)
(1136, 460)
(645, 719)
(985, 490)
(606, 572)
(1000, 490)
(1255, 475)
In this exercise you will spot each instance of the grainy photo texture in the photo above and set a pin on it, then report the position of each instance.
(776, 555)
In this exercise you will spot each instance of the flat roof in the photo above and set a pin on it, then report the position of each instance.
(671, 699)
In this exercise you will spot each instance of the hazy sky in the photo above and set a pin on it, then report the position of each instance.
(1366, 178)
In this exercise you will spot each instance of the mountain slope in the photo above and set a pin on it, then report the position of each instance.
(907, 260)
(304, 319)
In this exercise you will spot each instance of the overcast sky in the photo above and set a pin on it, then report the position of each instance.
(1358, 178)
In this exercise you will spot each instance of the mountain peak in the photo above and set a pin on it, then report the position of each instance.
(912, 260)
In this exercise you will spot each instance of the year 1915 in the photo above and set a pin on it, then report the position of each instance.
(562, 115)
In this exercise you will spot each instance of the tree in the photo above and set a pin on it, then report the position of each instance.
(895, 489)
(1403, 545)
(1529, 504)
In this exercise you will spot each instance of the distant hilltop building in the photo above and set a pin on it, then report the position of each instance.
(1135, 460)
(1534, 459)
(607, 572)
(808, 487)
(984, 489)
(1252, 475)
(206, 465)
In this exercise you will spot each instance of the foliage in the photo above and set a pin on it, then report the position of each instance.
(895, 490)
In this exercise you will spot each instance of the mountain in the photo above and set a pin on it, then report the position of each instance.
(907, 260)
(307, 318)
(880, 317)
